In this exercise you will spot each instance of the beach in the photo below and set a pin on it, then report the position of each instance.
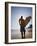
(16, 34)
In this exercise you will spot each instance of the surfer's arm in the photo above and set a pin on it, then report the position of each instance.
(19, 22)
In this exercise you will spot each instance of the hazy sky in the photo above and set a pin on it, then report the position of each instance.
(16, 13)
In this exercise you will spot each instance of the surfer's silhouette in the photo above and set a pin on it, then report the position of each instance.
(22, 28)
(23, 24)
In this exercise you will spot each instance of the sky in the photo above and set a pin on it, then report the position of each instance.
(16, 13)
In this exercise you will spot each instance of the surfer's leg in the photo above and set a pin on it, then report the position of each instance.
(22, 34)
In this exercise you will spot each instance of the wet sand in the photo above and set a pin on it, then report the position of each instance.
(17, 34)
